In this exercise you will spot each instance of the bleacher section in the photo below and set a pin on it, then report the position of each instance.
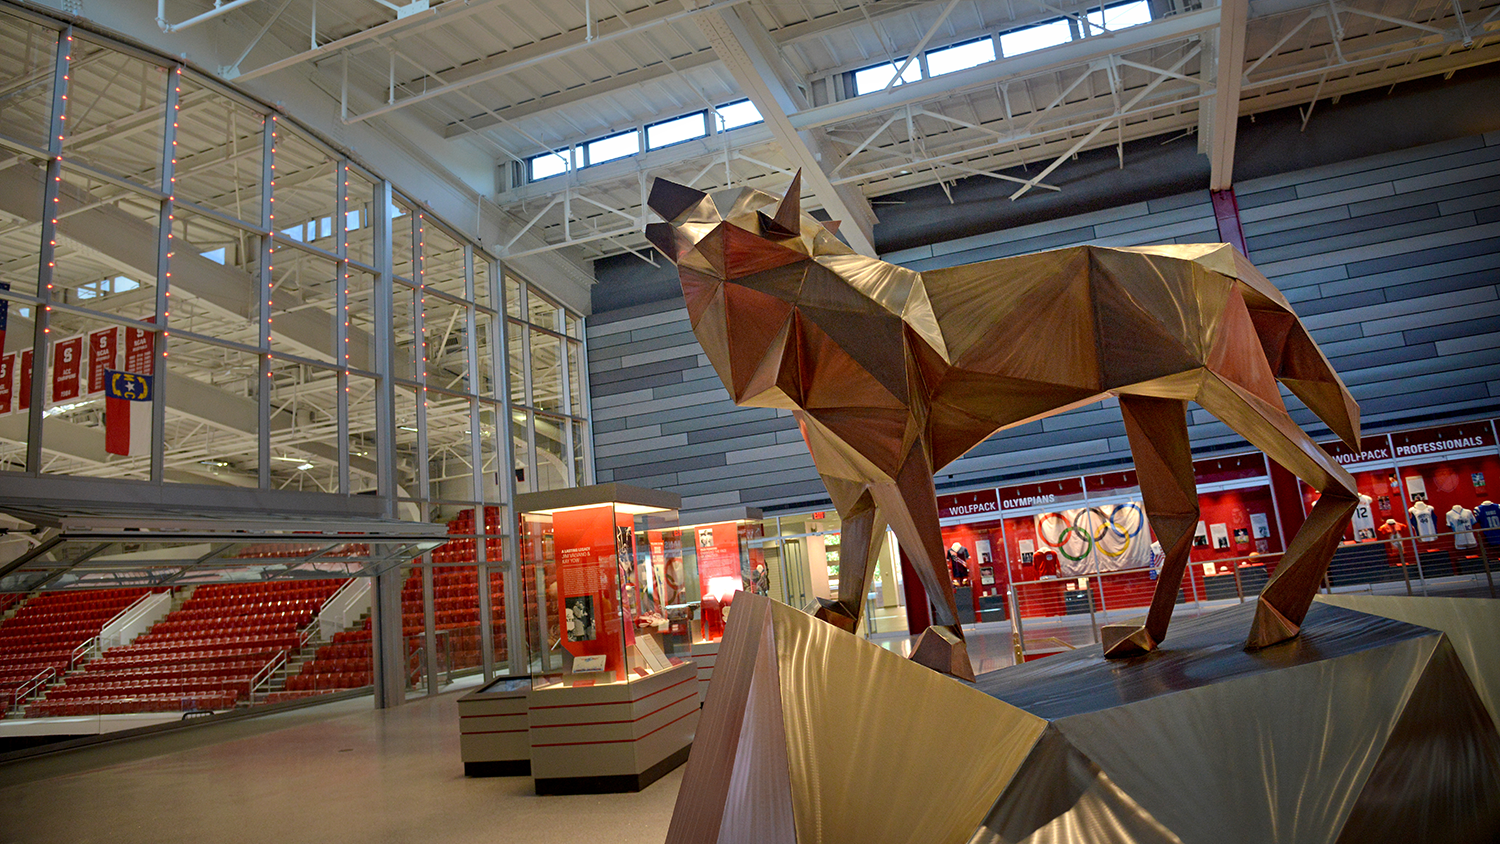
(345, 663)
(48, 632)
(204, 655)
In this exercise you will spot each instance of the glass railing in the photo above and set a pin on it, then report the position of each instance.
(1057, 614)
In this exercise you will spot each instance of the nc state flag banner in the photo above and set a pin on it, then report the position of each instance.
(127, 413)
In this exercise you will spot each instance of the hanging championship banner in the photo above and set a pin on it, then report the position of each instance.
(140, 349)
(103, 349)
(1110, 537)
(7, 377)
(67, 368)
(23, 381)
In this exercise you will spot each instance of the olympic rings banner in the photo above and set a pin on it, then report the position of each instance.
(1087, 540)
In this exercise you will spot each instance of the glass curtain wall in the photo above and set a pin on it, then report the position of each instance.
(548, 382)
(197, 290)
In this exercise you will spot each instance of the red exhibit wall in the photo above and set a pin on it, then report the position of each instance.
(918, 615)
(969, 536)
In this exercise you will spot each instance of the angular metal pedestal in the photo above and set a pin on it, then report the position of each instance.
(1363, 728)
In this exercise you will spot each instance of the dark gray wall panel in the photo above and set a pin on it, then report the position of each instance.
(1393, 261)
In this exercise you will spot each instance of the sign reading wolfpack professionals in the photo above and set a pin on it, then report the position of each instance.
(127, 413)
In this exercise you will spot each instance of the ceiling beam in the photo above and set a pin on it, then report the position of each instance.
(752, 57)
(502, 64)
(568, 96)
(449, 12)
(1230, 49)
(1069, 55)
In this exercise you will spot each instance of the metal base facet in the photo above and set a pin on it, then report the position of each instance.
(1122, 641)
(837, 614)
(944, 651)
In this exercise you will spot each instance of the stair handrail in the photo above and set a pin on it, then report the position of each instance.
(268, 670)
(28, 688)
(334, 614)
(86, 649)
(137, 608)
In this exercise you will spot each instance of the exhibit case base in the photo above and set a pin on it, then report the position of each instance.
(492, 729)
(1363, 728)
(612, 736)
(705, 654)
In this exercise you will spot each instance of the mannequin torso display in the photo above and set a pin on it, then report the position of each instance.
(1459, 521)
(1363, 519)
(1392, 529)
(1487, 516)
(958, 563)
(1423, 520)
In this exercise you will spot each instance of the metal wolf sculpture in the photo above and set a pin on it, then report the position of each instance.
(892, 374)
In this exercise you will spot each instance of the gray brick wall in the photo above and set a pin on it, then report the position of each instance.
(1393, 261)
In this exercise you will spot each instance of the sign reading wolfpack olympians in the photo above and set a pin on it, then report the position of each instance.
(127, 413)
(1027, 496)
(1443, 439)
(968, 504)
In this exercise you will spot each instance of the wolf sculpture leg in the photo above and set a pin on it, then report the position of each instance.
(1285, 600)
(1157, 429)
(859, 541)
(910, 506)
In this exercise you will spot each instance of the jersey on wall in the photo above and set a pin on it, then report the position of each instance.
(1363, 520)
(1460, 520)
(1487, 516)
(1423, 520)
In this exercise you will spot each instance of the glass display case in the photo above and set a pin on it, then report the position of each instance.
(599, 577)
(613, 703)
(726, 554)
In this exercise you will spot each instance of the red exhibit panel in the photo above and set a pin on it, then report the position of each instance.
(586, 583)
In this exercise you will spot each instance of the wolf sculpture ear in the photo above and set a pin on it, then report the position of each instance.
(670, 199)
(789, 212)
(788, 219)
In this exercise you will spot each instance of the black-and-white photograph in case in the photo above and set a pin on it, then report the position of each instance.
(580, 617)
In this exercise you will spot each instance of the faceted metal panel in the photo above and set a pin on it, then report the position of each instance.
(892, 374)
(867, 752)
(1362, 729)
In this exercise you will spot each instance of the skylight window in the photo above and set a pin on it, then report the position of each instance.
(547, 165)
(875, 78)
(1122, 16)
(735, 115)
(1035, 38)
(960, 57)
(614, 146)
(676, 130)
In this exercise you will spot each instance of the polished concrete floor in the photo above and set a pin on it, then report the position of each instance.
(331, 773)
